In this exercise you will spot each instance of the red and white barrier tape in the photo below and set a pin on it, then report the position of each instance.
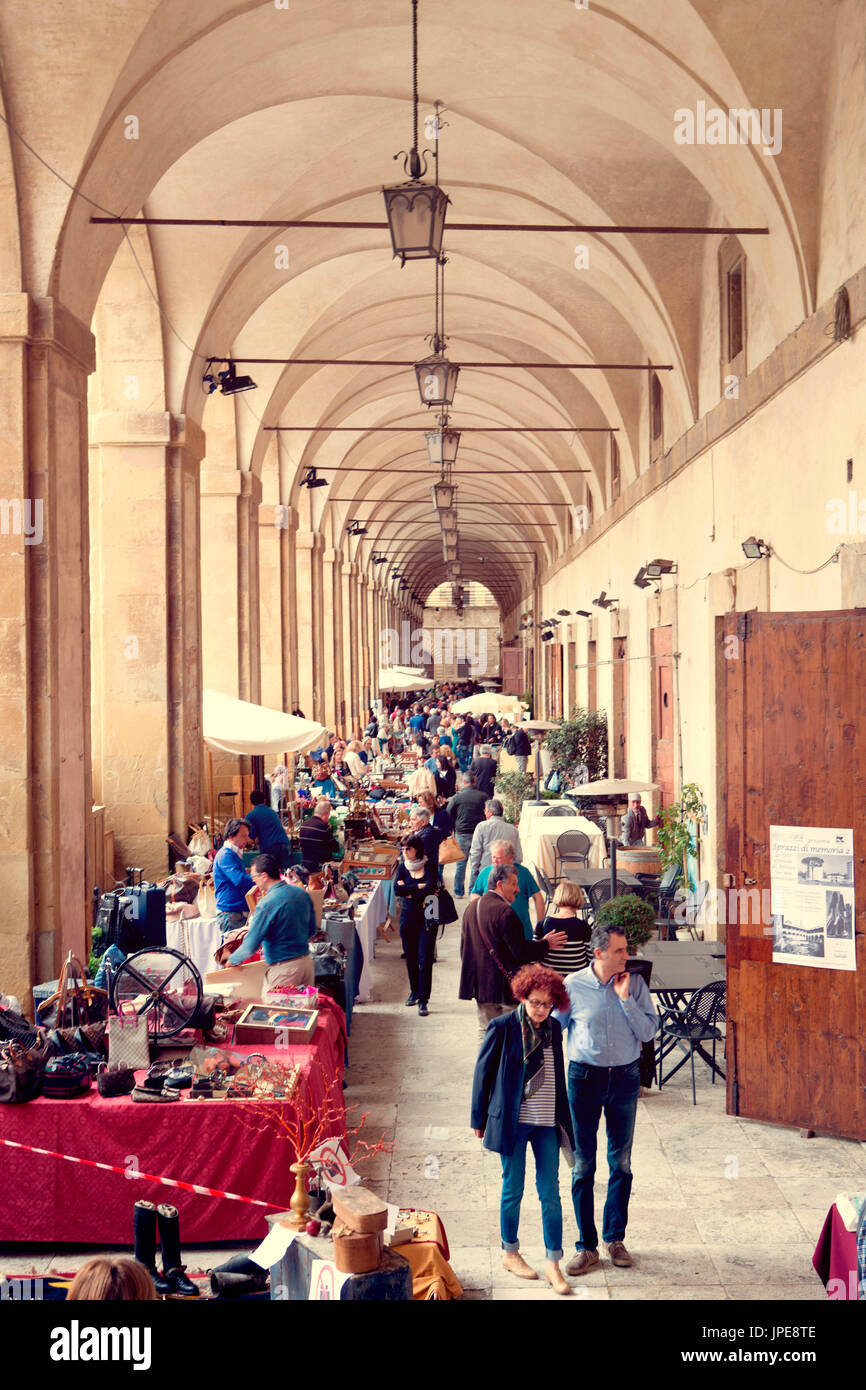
(145, 1177)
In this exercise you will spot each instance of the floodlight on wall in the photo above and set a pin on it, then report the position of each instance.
(581, 613)
(312, 479)
(442, 445)
(378, 559)
(603, 601)
(547, 636)
(415, 209)
(755, 549)
(640, 578)
(226, 381)
(563, 612)
(356, 529)
(656, 568)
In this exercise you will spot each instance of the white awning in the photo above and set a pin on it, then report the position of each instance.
(492, 703)
(236, 726)
(395, 679)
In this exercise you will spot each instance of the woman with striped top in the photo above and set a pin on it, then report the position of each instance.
(519, 1099)
(575, 954)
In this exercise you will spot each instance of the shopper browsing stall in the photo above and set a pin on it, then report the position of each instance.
(282, 924)
(415, 885)
(230, 879)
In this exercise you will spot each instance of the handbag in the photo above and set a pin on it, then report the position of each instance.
(21, 1072)
(450, 853)
(76, 1000)
(115, 1081)
(447, 910)
(66, 1077)
(128, 1041)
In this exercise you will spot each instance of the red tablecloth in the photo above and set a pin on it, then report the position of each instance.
(835, 1258)
(203, 1142)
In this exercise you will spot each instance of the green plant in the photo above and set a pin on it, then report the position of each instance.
(582, 738)
(677, 828)
(630, 913)
(511, 788)
(526, 697)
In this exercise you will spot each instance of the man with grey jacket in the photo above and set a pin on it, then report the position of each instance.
(493, 827)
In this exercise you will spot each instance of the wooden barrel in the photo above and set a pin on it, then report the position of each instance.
(638, 859)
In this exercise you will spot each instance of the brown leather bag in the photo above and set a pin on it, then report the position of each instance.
(76, 1001)
(450, 852)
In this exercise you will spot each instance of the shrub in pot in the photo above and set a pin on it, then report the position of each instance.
(632, 915)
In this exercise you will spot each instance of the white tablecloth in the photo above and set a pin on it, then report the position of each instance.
(196, 937)
(367, 922)
(539, 833)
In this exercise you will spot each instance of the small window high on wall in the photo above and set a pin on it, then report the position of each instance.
(614, 469)
(732, 316)
(656, 414)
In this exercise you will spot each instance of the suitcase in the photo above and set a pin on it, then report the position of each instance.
(131, 918)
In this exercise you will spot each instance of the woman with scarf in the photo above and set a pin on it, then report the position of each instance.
(519, 1099)
(415, 884)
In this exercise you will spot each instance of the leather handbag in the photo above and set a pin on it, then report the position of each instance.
(450, 853)
(66, 1077)
(447, 909)
(76, 1000)
(115, 1081)
(128, 1041)
(21, 1072)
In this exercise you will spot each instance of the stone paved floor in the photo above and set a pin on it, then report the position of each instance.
(721, 1208)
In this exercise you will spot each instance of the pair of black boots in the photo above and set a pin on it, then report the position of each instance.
(173, 1280)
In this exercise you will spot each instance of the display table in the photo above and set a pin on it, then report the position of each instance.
(203, 1142)
(539, 834)
(835, 1258)
(369, 917)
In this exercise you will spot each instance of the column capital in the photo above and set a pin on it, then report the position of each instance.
(333, 557)
(130, 428)
(187, 434)
(220, 482)
(309, 540)
(29, 318)
(251, 487)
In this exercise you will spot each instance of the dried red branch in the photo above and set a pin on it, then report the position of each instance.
(305, 1126)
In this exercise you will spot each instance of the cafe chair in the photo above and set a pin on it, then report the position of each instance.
(572, 847)
(688, 1028)
(559, 811)
(600, 892)
(547, 887)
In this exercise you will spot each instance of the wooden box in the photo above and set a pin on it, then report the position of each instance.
(272, 1023)
(360, 1210)
(357, 1254)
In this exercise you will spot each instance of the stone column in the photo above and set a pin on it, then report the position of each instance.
(46, 862)
(332, 655)
(271, 533)
(349, 641)
(145, 631)
(309, 546)
(366, 654)
(249, 634)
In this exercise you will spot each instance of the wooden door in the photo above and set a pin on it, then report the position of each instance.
(620, 713)
(555, 680)
(512, 671)
(792, 751)
(662, 677)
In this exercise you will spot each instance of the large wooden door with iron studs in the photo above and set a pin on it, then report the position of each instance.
(791, 726)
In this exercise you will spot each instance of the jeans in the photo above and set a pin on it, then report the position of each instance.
(521, 760)
(419, 943)
(544, 1140)
(464, 841)
(464, 756)
(614, 1090)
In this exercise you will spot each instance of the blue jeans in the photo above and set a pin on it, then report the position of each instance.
(464, 841)
(464, 756)
(614, 1090)
(545, 1146)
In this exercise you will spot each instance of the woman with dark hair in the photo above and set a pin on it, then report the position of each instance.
(519, 1099)
(446, 777)
(415, 884)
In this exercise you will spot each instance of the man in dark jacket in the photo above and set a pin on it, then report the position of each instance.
(466, 810)
(493, 946)
(483, 768)
(317, 841)
(519, 746)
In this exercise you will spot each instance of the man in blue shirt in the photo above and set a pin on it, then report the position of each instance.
(282, 923)
(611, 1015)
(230, 879)
(266, 827)
(503, 852)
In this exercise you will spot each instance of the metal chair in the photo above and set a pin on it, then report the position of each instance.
(558, 811)
(547, 887)
(600, 892)
(689, 1028)
(572, 847)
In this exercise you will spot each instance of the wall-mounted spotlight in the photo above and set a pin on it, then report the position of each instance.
(312, 479)
(640, 578)
(603, 601)
(581, 613)
(378, 559)
(355, 528)
(226, 381)
(656, 568)
(754, 549)
(547, 636)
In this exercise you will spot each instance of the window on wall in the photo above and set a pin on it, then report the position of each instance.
(732, 315)
(614, 469)
(656, 411)
(592, 676)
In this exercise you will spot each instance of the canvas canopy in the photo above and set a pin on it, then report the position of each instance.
(236, 726)
(492, 703)
(401, 680)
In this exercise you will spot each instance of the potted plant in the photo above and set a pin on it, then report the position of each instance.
(582, 738)
(678, 829)
(511, 788)
(632, 915)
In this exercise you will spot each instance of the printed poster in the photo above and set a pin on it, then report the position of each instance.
(812, 896)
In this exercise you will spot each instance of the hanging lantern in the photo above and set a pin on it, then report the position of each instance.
(442, 446)
(443, 495)
(415, 209)
(437, 380)
(448, 521)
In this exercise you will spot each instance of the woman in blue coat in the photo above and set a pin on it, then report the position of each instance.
(519, 1099)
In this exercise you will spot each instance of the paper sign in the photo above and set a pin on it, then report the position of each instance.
(333, 1164)
(326, 1281)
(812, 896)
(393, 1214)
(273, 1247)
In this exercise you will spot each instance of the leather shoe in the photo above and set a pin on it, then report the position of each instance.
(619, 1255)
(582, 1262)
(423, 1010)
(180, 1285)
(412, 1000)
(513, 1261)
(555, 1278)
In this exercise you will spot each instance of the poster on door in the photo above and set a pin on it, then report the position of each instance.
(812, 896)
